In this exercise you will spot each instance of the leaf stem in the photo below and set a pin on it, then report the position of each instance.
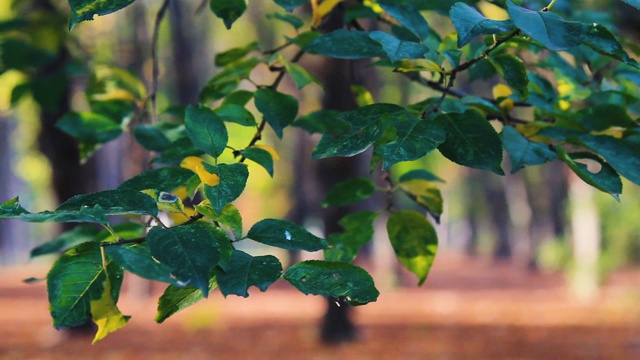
(548, 7)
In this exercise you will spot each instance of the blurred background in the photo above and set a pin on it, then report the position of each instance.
(531, 265)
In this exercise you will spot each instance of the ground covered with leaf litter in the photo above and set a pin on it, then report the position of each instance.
(467, 309)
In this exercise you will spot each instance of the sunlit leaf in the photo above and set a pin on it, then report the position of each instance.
(426, 194)
(414, 240)
(470, 23)
(229, 217)
(358, 230)
(233, 179)
(177, 298)
(83, 10)
(106, 315)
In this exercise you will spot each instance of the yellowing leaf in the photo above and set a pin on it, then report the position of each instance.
(106, 314)
(274, 154)
(207, 177)
(501, 93)
(363, 96)
(191, 162)
(320, 11)
(195, 164)
(116, 94)
(409, 65)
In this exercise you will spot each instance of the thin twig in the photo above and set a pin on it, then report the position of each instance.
(154, 58)
(124, 241)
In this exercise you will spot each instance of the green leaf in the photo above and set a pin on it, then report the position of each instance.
(513, 71)
(415, 138)
(523, 151)
(367, 125)
(290, 19)
(178, 150)
(245, 271)
(325, 121)
(349, 191)
(409, 17)
(164, 179)
(548, 28)
(125, 230)
(600, 39)
(137, 259)
(333, 279)
(279, 110)
(261, 157)
(622, 155)
(190, 251)
(22, 55)
(236, 114)
(228, 10)
(426, 194)
(603, 116)
(289, 5)
(345, 44)
(229, 217)
(358, 230)
(12, 209)
(177, 298)
(77, 278)
(206, 130)
(419, 174)
(78, 235)
(113, 202)
(233, 179)
(471, 141)
(470, 23)
(83, 10)
(397, 49)
(89, 127)
(239, 98)
(634, 3)
(229, 56)
(606, 180)
(151, 138)
(285, 235)
(299, 74)
(414, 240)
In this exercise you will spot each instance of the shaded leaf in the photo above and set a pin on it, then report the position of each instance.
(206, 130)
(358, 230)
(333, 279)
(163, 179)
(345, 44)
(286, 235)
(233, 179)
(523, 151)
(190, 251)
(471, 141)
(229, 217)
(325, 121)
(622, 155)
(78, 235)
(245, 271)
(415, 138)
(414, 241)
(603, 116)
(229, 56)
(113, 202)
(89, 127)
(137, 259)
(367, 125)
(236, 114)
(397, 49)
(11, 209)
(606, 180)
(514, 73)
(419, 174)
(407, 15)
(259, 156)
(279, 110)
(289, 5)
(349, 191)
(470, 23)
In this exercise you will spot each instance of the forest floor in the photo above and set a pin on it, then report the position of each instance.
(467, 309)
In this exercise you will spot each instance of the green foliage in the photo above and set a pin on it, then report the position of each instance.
(579, 84)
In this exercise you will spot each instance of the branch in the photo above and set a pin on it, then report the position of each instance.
(154, 59)
(124, 241)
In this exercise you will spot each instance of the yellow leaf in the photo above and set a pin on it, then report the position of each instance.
(270, 150)
(409, 65)
(320, 11)
(363, 96)
(106, 314)
(501, 93)
(196, 165)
